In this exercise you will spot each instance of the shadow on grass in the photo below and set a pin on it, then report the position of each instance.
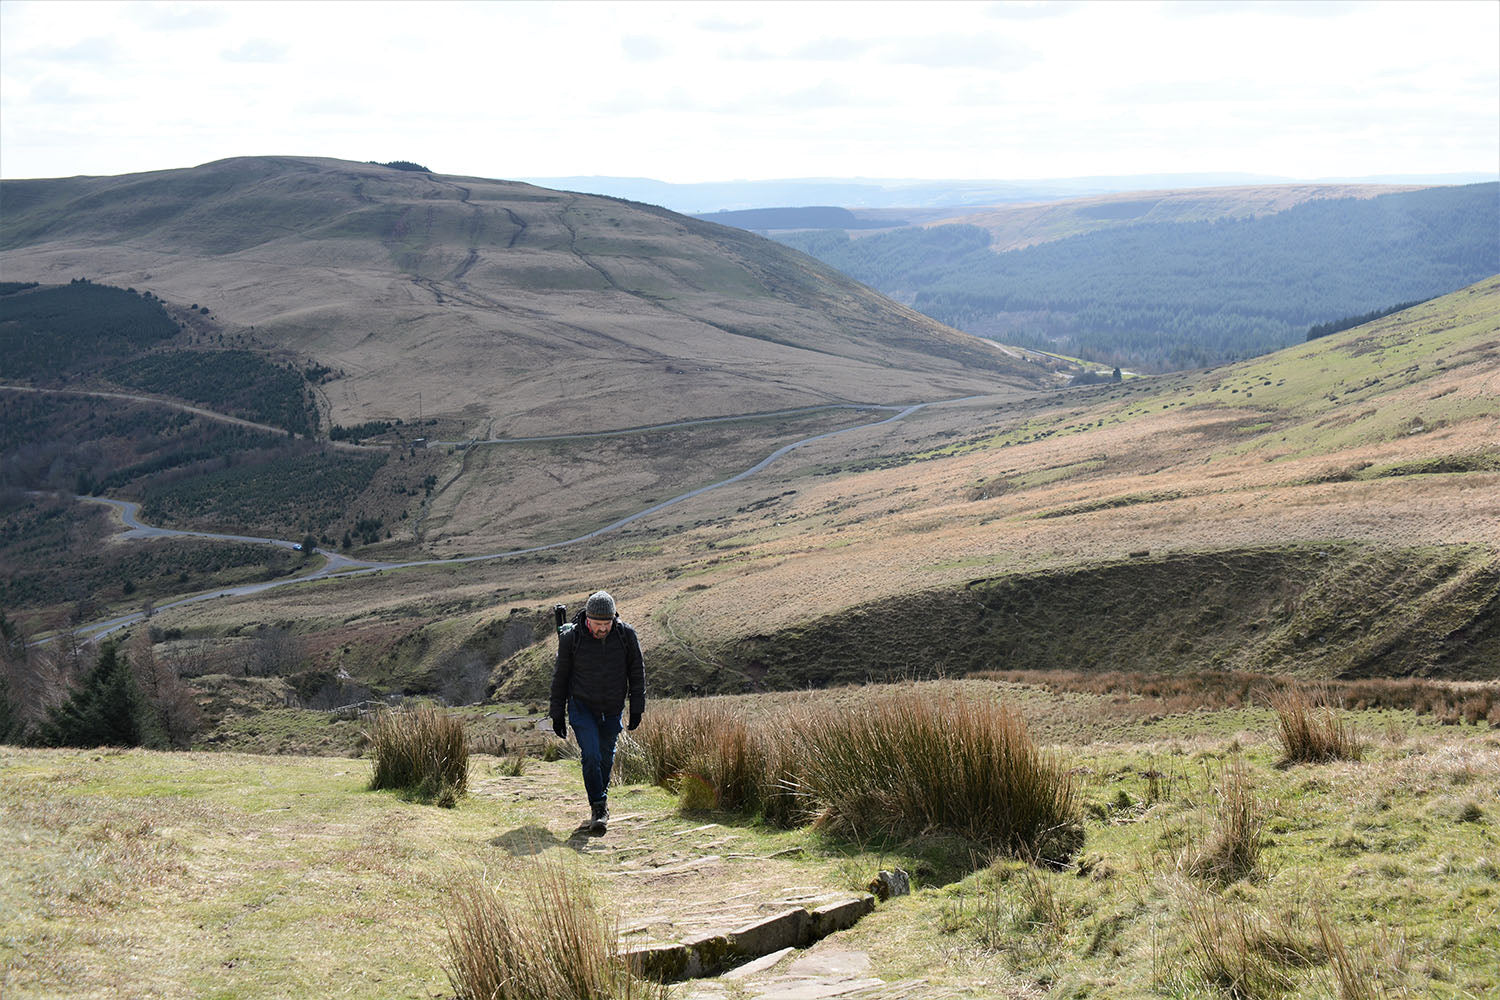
(934, 859)
(529, 841)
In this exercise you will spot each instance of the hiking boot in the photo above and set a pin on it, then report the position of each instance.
(600, 820)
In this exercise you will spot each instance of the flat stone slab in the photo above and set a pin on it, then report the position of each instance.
(830, 962)
(816, 989)
(758, 966)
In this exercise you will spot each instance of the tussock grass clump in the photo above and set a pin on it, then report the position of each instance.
(421, 752)
(1311, 734)
(555, 944)
(1233, 848)
(912, 765)
(905, 766)
(1234, 950)
(715, 760)
(1352, 973)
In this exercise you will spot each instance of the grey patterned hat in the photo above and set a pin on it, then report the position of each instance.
(600, 606)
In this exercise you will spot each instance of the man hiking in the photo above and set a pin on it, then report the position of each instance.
(598, 663)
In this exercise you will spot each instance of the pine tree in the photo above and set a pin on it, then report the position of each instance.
(104, 711)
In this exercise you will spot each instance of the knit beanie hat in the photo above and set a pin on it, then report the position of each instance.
(600, 606)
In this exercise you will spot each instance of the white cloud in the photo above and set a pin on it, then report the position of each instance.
(89, 51)
(183, 17)
(728, 26)
(1021, 10)
(831, 49)
(713, 90)
(963, 51)
(643, 48)
(50, 90)
(256, 50)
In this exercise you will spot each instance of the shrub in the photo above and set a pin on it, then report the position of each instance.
(421, 752)
(703, 744)
(909, 766)
(556, 945)
(1312, 734)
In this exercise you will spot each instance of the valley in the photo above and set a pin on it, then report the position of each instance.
(473, 400)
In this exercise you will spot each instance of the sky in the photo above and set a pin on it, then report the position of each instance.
(691, 92)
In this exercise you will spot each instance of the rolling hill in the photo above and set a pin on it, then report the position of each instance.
(1328, 511)
(1163, 281)
(511, 308)
(1015, 227)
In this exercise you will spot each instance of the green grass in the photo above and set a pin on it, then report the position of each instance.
(257, 877)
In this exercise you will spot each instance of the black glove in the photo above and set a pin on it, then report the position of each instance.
(559, 727)
(635, 721)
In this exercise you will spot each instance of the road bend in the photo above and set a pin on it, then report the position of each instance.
(340, 566)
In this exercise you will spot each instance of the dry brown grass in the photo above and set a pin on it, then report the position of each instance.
(1013, 227)
(565, 277)
(1144, 693)
(421, 751)
(699, 577)
(906, 765)
(1312, 733)
(545, 940)
(1233, 845)
(1239, 952)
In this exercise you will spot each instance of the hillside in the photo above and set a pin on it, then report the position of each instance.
(1015, 227)
(1327, 511)
(510, 308)
(1156, 282)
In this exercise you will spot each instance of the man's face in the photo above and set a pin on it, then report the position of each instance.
(599, 627)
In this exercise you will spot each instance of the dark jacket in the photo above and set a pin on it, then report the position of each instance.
(599, 673)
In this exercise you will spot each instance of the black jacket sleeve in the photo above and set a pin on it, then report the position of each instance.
(635, 672)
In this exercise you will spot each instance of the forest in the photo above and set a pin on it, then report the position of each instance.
(237, 382)
(46, 332)
(1169, 296)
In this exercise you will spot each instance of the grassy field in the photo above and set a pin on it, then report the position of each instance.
(227, 875)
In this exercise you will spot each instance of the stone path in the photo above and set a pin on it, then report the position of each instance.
(696, 893)
(824, 971)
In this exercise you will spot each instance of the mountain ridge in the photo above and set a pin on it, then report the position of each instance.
(494, 301)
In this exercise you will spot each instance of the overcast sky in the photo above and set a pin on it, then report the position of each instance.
(689, 92)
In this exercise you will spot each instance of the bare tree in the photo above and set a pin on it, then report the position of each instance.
(274, 652)
(35, 679)
(171, 701)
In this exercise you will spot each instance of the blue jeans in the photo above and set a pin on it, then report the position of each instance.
(596, 733)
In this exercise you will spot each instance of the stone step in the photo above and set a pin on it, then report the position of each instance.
(710, 954)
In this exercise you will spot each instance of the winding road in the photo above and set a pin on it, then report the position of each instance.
(340, 566)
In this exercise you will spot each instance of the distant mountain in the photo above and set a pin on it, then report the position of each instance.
(515, 309)
(868, 193)
(1013, 227)
(762, 220)
(1160, 281)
